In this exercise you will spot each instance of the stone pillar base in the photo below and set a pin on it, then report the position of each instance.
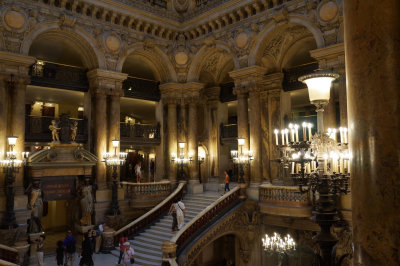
(194, 187)
(32, 239)
(253, 191)
(107, 240)
(22, 248)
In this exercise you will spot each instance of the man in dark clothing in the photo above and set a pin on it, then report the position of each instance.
(69, 247)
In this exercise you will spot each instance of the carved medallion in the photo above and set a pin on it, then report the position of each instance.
(181, 58)
(181, 5)
(14, 19)
(328, 11)
(112, 43)
(241, 40)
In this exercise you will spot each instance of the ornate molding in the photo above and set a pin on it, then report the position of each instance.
(107, 82)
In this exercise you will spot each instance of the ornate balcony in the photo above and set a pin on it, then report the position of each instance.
(140, 134)
(228, 133)
(143, 195)
(284, 201)
(37, 129)
(48, 74)
(141, 89)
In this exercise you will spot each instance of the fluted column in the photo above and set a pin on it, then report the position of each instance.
(3, 120)
(172, 139)
(192, 140)
(372, 62)
(106, 127)
(255, 135)
(15, 69)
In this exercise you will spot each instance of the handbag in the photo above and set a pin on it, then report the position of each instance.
(132, 260)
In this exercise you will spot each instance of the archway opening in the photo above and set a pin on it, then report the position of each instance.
(221, 252)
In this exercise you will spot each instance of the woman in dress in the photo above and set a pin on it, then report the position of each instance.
(35, 204)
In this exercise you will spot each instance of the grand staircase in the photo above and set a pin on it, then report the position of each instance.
(147, 244)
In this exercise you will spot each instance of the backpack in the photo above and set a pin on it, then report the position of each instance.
(71, 246)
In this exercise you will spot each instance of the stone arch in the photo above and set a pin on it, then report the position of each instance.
(216, 237)
(205, 53)
(272, 28)
(154, 57)
(92, 57)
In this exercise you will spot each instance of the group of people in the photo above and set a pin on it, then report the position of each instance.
(126, 252)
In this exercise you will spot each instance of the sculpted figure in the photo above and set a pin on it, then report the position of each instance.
(74, 130)
(35, 204)
(86, 203)
(54, 130)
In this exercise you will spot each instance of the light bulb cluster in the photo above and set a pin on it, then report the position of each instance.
(242, 157)
(114, 158)
(343, 134)
(181, 159)
(293, 132)
(278, 244)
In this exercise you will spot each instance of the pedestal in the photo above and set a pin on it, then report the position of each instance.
(33, 246)
(22, 248)
(107, 240)
(194, 187)
(253, 191)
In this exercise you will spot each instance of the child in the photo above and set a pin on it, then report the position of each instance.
(60, 253)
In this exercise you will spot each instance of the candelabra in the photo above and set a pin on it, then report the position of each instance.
(181, 161)
(11, 166)
(319, 164)
(114, 160)
(242, 158)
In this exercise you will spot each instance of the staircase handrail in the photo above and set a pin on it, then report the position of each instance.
(146, 219)
(8, 254)
(205, 216)
(148, 190)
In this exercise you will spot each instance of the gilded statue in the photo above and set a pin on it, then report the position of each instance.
(74, 130)
(54, 130)
(35, 204)
(86, 203)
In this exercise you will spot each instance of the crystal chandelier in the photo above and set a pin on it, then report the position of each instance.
(277, 244)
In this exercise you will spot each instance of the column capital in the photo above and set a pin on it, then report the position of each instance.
(330, 57)
(106, 82)
(273, 81)
(175, 91)
(212, 94)
(15, 64)
(248, 78)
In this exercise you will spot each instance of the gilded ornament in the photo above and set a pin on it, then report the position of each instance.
(112, 43)
(181, 58)
(14, 19)
(241, 40)
(328, 11)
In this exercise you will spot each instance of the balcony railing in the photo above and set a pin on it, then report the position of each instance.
(151, 216)
(204, 218)
(139, 191)
(141, 89)
(8, 255)
(48, 74)
(140, 133)
(284, 196)
(37, 129)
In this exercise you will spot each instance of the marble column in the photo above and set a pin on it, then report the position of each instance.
(243, 125)
(192, 141)
(172, 139)
(114, 110)
(342, 97)
(100, 136)
(17, 121)
(274, 117)
(87, 112)
(255, 135)
(3, 121)
(265, 138)
(330, 111)
(372, 61)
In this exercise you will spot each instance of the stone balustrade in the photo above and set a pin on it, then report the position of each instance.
(8, 255)
(147, 190)
(155, 213)
(284, 195)
(171, 248)
(284, 201)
